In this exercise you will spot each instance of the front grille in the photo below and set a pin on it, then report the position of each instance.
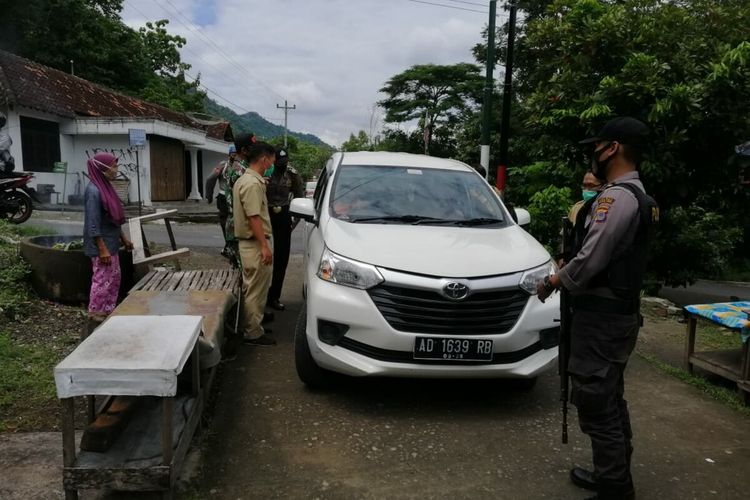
(499, 358)
(425, 311)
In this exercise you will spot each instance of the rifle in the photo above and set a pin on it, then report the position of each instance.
(565, 322)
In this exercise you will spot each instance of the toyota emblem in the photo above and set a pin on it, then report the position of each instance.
(456, 291)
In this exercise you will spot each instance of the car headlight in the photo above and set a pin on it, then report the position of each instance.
(530, 278)
(347, 272)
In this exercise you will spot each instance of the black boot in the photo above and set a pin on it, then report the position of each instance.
(614, 491)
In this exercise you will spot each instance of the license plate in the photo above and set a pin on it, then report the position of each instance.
(453, 349)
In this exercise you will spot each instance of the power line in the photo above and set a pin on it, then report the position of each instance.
(219, 50)
(469, 3)
(195, 79)
(451, 7)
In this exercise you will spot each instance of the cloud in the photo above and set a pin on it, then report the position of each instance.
(329, 57)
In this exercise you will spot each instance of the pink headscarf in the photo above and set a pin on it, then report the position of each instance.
(111, 202)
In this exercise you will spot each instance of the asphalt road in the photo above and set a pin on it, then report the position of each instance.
(270, 437)
(190, 235)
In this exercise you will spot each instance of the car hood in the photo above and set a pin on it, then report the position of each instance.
(451, 252)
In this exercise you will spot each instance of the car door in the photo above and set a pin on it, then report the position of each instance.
(312, 234)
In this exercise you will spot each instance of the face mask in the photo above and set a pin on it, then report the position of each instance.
(589, 195)
(269, 171)
(599, 167)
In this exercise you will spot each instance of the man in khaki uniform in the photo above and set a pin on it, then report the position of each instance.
(252, 228)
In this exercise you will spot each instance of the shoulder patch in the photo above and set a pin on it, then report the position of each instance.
(600, 214)
(292, 170)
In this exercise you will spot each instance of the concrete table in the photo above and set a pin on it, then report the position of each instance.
(132, 356)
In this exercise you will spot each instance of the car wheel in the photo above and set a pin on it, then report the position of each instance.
(308, 370)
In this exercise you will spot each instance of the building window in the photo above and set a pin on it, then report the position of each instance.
(40, 144)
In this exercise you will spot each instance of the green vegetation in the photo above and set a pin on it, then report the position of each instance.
(681, 67)
(14, 292)
(720, 394)
(26, 382)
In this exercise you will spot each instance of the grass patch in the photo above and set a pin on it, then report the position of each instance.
(720, 394)
(710, 336)
(26, 382)
(24, 231)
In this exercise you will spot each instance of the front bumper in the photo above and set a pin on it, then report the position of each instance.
(371, 347)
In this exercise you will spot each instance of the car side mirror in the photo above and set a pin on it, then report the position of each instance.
(523, 215)
(303, 208)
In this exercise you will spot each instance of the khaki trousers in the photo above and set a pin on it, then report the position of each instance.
(256, 279)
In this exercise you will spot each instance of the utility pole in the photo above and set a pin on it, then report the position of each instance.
(286, 109)
(489, 83)
(507, 95)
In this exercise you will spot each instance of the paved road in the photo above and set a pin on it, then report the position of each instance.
(706, 292)
(186, 234)
(272, 438)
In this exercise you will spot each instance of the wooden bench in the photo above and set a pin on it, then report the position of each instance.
(133, 356)
(732, 364)
(141, 252)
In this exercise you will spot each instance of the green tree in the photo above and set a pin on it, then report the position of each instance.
(683, 67)
(359, 142)
(438, 96)
(91, 34)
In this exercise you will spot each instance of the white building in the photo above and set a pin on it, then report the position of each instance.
(57, 117)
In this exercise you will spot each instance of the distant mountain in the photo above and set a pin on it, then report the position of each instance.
(253, 122)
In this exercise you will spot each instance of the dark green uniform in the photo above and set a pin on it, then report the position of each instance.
(283, 186)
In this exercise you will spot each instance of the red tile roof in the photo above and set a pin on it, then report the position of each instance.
(33, 85)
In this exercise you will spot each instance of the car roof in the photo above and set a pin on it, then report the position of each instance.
(388, 159)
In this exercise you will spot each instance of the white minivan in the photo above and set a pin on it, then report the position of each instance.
(415, 268)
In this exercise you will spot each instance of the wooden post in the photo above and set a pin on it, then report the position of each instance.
(69, 441)
(690, 341)
(166, 430)
(172, 242)
(196, 370)
(744, 384)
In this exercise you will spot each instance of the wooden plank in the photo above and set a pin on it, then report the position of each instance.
(69, 441)
(215, 274)
(143, 281)
(167, 414)
(174, 280)
(137, 238)
(726, 363)
(183, 444)
(197, 281)
(689, 342)
(163, 279)
(154, 216)
(182, 252)
(185, 283)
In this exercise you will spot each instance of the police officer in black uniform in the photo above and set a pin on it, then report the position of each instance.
(604, 279)
(283, 185)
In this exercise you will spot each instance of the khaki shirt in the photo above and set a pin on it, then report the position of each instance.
(249, 196)
(612, 224)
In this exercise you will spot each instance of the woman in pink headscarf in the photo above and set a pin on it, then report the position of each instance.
(102, 236)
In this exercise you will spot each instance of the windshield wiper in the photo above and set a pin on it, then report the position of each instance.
(479, 221)
(407, 219)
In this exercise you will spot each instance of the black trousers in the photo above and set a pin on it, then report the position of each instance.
(281, 224)
(601, 344)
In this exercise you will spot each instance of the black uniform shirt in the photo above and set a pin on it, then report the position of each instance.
(612, 224)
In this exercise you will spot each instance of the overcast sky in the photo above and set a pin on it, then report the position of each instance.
(327, 57)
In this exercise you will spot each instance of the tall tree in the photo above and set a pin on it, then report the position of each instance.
(436, 95)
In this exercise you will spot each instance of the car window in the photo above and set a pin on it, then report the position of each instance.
(320, 189)
(383, 194)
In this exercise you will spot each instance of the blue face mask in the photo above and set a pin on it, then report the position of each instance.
(589, 195)
(269, 171)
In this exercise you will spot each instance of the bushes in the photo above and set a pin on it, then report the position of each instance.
(690, 243)
(547, 207)
(13, 272)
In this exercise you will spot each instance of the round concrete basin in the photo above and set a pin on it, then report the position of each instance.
(65, 276)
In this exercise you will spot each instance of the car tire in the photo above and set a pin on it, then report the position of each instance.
(308, 370)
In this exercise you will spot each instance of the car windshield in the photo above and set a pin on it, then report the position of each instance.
(406, 195)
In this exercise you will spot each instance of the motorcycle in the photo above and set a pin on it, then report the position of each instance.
(16, 198)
